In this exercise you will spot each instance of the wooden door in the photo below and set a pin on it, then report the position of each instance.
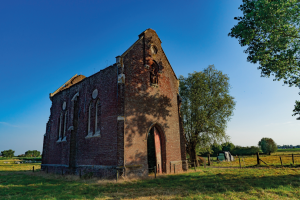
(157, 151)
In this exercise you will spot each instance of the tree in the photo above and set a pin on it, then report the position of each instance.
(216, 148)
(8, 153)
(33, 153)
(267, 145)
(228, 146)
(270, 30)
(206, 107)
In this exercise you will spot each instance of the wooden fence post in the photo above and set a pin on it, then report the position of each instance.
(280, 160)
(240, 162)
(293, 158)
(117, 174)
(33, 169)
(79, 173)
(155, 171)
(258, 160)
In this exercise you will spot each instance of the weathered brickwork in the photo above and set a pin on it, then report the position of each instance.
(132, 99)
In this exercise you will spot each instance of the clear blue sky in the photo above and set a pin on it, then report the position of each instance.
(44, 43)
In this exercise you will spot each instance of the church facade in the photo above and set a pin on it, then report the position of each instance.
(123, 117)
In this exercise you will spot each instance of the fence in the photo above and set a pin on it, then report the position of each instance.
(260, 160)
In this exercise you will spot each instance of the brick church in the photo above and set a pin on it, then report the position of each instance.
(125, 116)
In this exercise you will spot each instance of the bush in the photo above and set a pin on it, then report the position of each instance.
(33, 153)
(267, 145)
(8, 153)
(228, 146)
(238, 150)
(216, 148)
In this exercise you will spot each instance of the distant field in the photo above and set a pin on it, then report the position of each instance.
(271, 161)
(289, 150)
(206, 183)
(9, 165)
(21, 158)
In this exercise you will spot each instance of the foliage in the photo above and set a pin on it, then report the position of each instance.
(270, 30)
(297, 109)
(238, 150)
(216, 148)
(8, 153)
(206, 108)
(267, 145)
(33, 153)
(228, 146)
(288, 150)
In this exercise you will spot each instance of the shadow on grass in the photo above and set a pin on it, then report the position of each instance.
(208, 182)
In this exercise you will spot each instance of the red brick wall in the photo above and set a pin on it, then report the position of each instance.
(93, 151)
(146, 105)
(122, 142)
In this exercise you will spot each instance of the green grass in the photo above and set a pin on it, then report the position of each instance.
(289, 150)
(21, 158)
(205, 183)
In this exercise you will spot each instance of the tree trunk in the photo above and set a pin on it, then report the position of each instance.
(269, 153)
(193, 156)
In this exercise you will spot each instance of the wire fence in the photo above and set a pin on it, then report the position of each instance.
(277, 160)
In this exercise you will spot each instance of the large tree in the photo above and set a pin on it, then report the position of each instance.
(34, 153)
(267, 145)
(228, 146)
(8, 153)
(271, 31)
(206, 108)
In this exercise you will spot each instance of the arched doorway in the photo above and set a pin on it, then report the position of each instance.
(156, 149)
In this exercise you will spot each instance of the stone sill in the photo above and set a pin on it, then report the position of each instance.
(90, 135)
(62, 139)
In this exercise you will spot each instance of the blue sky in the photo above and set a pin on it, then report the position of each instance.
(44, 43)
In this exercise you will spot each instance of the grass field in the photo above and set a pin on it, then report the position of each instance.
(206, 183)
(271, 161)
(289, 150)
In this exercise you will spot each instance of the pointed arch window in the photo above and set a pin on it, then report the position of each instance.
(62, 127)
(94, 119)
(65, 127)
(90, 131)
(97, 118)
(59, 127)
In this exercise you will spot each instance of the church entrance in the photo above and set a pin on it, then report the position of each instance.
(156, 152)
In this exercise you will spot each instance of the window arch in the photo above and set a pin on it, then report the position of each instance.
(62, 127)
(90, 132)
(65, 127)
(59, 127)
(154, 73)
(97, 118)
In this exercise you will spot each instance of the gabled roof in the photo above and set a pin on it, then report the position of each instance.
(141, 36)
(75, 79)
